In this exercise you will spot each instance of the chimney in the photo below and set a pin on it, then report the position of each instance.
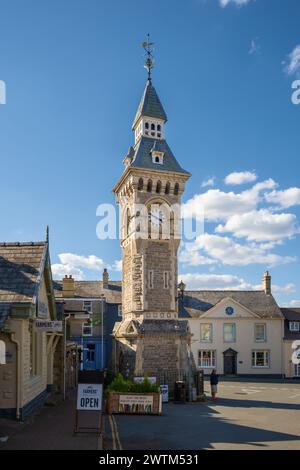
(105, 278)
(267, 283)
(68, 286)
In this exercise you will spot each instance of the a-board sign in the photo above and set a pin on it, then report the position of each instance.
(89, 397)
(164, 390)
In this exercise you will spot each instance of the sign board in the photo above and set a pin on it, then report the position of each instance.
(48, 326)
(139, 380)
(164, 389)
(89, 397)
(135, 403)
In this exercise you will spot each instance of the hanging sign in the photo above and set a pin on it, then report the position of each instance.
(48, 326)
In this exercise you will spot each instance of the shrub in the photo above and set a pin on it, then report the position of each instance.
(119, 384)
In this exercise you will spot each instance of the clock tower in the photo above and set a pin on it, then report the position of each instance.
(150, 338)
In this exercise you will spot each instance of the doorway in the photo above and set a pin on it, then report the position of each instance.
(230, 362)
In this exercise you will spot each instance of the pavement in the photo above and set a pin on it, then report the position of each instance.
(258, 415)
(52, 428)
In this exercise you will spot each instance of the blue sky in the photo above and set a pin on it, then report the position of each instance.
(74, 76)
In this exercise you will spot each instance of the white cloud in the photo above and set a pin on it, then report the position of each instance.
(78, 261)
(210, 249)
(60, 270)
(293, 303)
(292, 65)
(287, 289)
(254, 47)
(240, 177)
(208, 182)
(224, 3)
(219, 205)
(261, 225)
(284, 199)
(117, 266)
(227, 282)
(214, 282)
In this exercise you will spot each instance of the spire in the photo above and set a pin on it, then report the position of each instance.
(150, 104)
(47, 234)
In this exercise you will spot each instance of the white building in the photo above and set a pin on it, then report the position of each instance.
(235, 332)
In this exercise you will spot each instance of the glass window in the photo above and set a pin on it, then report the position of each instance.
(158, 127)
(147, 125)
(87, 306)
(260, 358)
(152, 127)
(294, 326)
(90, 355)
(206, 358)
(260, 332)
(87, 329)
(176, 189)
(229, 331)
(206, 332)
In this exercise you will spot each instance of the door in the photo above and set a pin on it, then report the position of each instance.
(230, 362)
(297, 370)
(89, 356)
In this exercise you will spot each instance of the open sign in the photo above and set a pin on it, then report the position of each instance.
(89, 397)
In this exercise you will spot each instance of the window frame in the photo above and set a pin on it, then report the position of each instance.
(213, 359)
(91, 306)
(234, 338)
(210, 340)
(264, 340)
(295, 322)
(150, 279)
(266, 353)
(87, 325)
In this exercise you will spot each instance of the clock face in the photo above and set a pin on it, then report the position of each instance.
(229, 311)
(156, 217)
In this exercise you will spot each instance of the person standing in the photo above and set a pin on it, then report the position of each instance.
(214, 380)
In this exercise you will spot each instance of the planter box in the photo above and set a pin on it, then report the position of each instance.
(134, 403)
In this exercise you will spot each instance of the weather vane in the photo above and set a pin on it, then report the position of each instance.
(149, 61)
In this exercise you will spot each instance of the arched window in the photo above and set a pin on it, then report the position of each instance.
(158, 187)
(152, 127)
(158, 127)
(140, 184)
(157, 160)
(147, 125)
(149, 186)
(167, 190)
(176, 189)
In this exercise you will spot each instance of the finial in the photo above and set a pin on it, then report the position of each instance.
(149, 61)
(47, 234)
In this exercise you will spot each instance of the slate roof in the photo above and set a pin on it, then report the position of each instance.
(143, 159)
(150, 105)
(93, 290)
(195, 303)
(20, 265)
(290, 314)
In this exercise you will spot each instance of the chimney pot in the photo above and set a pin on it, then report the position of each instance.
(267, 283)
(105, 278)
(68, 286)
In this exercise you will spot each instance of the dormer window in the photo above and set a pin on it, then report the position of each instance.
(158, 157)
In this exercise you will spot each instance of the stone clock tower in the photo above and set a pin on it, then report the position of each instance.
(150, 338)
